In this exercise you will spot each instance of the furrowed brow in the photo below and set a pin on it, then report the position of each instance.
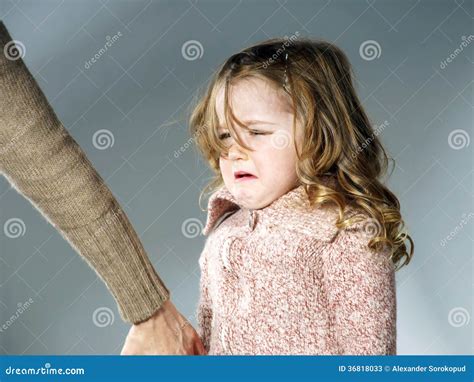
(252, 122)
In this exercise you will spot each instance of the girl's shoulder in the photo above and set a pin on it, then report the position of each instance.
(319, 224)
(349, 246)
(295, 212)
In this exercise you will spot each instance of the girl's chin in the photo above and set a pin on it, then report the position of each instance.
(251, 199)
(246, 196)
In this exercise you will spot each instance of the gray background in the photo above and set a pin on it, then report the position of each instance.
(140, 91)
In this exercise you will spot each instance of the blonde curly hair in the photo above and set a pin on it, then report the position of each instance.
(338, 138)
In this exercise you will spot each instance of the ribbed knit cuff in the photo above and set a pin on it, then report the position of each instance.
(118, 257)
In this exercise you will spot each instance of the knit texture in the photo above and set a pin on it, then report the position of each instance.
(284, 280)
(45, 164)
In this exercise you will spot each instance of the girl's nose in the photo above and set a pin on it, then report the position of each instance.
(237, 152)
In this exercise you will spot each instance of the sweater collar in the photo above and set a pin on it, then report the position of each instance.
(291, 210)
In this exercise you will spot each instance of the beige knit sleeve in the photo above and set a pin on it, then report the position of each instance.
(44, 163)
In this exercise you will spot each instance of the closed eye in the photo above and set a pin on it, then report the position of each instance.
(224, 136)
(251, 132)
(258, 132)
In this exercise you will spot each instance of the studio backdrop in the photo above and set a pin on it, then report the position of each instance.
(122, 77)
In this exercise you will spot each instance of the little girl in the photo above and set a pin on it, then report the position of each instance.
(303, 237)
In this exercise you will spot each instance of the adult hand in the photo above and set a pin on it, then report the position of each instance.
(166, 332)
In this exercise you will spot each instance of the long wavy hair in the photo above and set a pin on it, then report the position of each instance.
(339, 140)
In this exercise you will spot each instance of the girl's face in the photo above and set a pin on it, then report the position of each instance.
(267, 113)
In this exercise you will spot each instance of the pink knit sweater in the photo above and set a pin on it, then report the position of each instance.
(284, 280)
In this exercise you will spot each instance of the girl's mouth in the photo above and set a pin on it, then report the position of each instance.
(241, 176)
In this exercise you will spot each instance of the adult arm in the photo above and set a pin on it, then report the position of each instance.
(44, 163)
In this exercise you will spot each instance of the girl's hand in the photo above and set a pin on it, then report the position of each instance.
(166, 332)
